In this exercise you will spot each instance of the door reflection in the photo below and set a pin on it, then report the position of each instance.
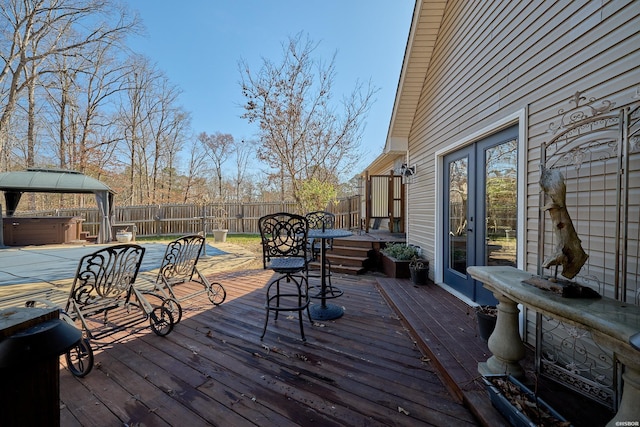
(458, 196)
(501, 187)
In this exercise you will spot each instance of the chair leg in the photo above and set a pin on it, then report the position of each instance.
(301, 326)
(266, 320)
(302, 284)
(267, 306)
(306, 303)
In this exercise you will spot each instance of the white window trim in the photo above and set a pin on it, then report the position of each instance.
(519, 118)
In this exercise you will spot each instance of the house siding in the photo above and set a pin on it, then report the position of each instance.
(493, 59)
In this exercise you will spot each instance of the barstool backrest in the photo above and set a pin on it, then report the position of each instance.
(284, 235)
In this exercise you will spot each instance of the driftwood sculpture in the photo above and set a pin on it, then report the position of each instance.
(568, 252)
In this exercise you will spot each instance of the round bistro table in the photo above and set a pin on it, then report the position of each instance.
(325, 311)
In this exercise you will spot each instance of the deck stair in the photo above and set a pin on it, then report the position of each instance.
(351, 256)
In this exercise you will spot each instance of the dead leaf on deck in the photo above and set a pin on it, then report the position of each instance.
(402, 410)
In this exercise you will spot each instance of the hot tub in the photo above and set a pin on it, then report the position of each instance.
(22, 231)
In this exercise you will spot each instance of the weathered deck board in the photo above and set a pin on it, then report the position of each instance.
(444, 327)
(361, 369)
(443, 322)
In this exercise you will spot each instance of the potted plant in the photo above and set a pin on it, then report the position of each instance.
(519, 405)
(124, 235)
(486, 315)
(396, 258)
(419, 271)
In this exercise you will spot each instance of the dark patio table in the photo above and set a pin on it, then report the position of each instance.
(325, 311)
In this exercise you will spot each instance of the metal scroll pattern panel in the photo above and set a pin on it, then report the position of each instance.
(596, 146)
(569, 355)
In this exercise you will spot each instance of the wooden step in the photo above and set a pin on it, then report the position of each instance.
(351, 250)
(337, 259)
(342, 269)
(354, 243)
(353, 255)
(348, 269)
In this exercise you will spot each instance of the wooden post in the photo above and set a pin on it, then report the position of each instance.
(1, 229)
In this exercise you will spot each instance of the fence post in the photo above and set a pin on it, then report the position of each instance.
(1, 229)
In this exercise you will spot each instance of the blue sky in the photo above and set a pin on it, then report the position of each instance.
(198, 43)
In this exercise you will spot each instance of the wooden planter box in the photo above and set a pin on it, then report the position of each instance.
(395, 268)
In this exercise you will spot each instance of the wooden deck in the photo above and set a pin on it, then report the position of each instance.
(401, 355)
(361, 369)
(445, 329)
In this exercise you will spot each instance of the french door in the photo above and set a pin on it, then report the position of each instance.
(480, 210)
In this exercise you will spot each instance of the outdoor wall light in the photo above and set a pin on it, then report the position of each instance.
(407, 171)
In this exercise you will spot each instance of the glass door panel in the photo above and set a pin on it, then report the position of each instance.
(501, 193)
(480, 182)
(459, 251)
(458, 218)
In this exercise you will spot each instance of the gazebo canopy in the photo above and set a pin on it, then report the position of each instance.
(50, 181)
(14, 184)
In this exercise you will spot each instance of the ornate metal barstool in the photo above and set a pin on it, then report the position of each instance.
(284, 250)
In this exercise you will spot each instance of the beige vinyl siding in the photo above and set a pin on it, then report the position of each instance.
(493, 59)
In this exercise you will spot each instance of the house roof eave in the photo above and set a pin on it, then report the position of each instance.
(425, 26)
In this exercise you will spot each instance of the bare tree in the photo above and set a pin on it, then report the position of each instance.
(79, 91)
(35, 30)
(243, 152)
(196, 168)
(302, 135)
(166, 123)
(219, 147)
(175, 141)
(133, 118)
(154, 128)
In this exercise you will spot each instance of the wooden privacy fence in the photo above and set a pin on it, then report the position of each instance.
(179, 219)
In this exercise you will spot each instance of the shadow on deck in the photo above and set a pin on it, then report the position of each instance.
(401, 355)
(361, 369)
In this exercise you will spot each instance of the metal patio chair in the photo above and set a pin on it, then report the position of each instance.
(104, 301)
(179, 266)
(284, 249)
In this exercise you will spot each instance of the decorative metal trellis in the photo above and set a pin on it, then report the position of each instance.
(596, 146)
